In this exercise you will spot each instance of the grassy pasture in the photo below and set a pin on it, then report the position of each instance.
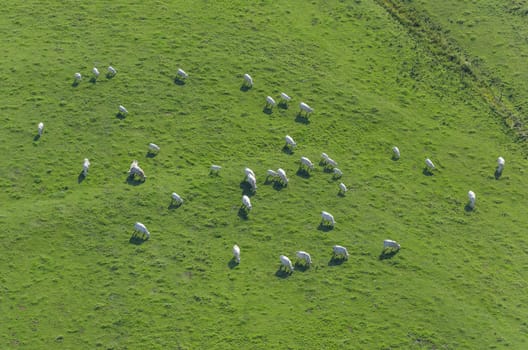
(70, 277)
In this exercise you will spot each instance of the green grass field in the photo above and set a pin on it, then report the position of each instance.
(71, 277)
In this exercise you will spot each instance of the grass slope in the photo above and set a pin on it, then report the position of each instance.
(71, 278)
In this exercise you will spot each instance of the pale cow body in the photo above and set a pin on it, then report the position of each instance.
(86, 166)
(472, 198)
(302, 255)
(236, 253)
(122, 110)
(305, 108)
(40, 128)
(286, 263)
(430, 165)
(306, 163)
(327, 218)
(153, 148)
(246, 203)
(139, 227)
(396, 152)
(389, 244)
(181, 74)
(282, 176)
(270, 102)
(248, 81)
(339, 250)
(290, 142)
(176, 198)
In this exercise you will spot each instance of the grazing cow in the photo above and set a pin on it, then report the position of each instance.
(286, 263)
(324, 158)
(305, 108)
(139, 227)
(136, 170)
(270, 102)
(500, 164)
(215, 169)
(396, 152)
(252, 181)
(306, 163)
(246, 203)
(248, 171)
(472, 198)
(290, 143)
(327, 219)
(181, 74)
(282, 176)
(40, 128)
(337, 173)
(248, 81)
(285, 98)
(176, 199)
(342, 188)
(305, 257)
(271, 173)
(95, 72)
(340, 251)
(389, 244)
(122, 110)
(329, 163)
(153, 148)
(111, 71)
(236, 253)
(77, 77)
(430, 165)
(86, 166)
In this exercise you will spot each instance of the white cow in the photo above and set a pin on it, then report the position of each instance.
(111, 71)
(215, 169)
(77, 76)
(153, 148)
(86, 166)
(389, 244)
(272, 173)
(500, 164)
(176, 198)
(324, 158)
(430, 165)
(306, 163)
(282, 176)
(136, 170)
(327, 218)
(472, 198)
(330, 163)
(270, 102)
(339, 250)
(236, 253)
(40, 128)
(248, 81)
(342, 188)
(285, 98)
(122, 110)
(139, 227)
(95, 72)
(181, 73)
(248, 171)
(396, 152)
(252, 181)
(305, 257)
(305, 108)
(286, 263)
(246, 203)
(290, 142)
(337, 173)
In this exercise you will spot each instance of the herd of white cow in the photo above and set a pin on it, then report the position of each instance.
(279, 175)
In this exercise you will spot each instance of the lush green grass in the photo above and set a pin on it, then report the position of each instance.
(70, 278)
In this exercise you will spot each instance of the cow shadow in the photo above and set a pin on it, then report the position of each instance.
(325, 228)
(246, 188)
(75, 83)
(281, 273)
(468, 208)
(132, 181)
(245, 88)
(81, 177)
(174, 205)
(301, 267)
(299, 118)
(36, 138)
(387, 254)
(120, 115)
(287, 150)
(150, 154)
(278, 186)
(427, 172)
(93, 80)
(394, 158)
(267, 110)
(341, 194)
(497, 174)
(282, 105)
(302, 172)
(243, 213)
(335, 261)
(232, 263)
(110, 75)
(137, 240)
(179, 81)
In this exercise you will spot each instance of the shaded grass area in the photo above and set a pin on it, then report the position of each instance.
(71, 274)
